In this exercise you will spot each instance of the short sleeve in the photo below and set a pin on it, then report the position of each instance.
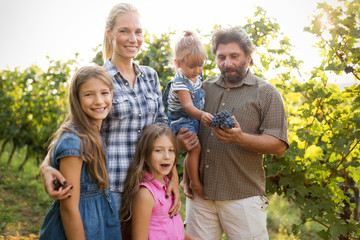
(177, 86)
(68, 145)
(274, 120)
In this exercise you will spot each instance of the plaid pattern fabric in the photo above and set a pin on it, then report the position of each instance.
(132, 110)
(228, 171)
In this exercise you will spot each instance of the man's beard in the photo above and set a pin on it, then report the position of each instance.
(240, 70)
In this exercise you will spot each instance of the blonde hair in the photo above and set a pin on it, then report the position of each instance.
(118, 9)
(189, 49)
(139, 166)
(91, 147)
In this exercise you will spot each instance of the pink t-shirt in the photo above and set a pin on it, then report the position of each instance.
(162, 227)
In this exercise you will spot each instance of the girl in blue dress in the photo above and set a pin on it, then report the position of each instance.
(80, 155)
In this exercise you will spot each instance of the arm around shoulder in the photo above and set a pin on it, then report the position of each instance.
(48, 173)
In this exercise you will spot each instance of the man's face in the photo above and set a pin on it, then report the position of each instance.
(232, 62)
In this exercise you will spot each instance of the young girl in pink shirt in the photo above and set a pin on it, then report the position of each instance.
(145, 208)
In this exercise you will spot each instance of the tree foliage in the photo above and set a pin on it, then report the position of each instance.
(319, 173)
(34, 104)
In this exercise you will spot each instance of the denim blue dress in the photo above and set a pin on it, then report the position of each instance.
(180, 119)
(97, 208)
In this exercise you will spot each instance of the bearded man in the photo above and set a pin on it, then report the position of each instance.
(231, 162)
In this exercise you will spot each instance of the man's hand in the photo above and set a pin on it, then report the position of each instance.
(48, 175)
(187, 140)
(263, 143)
(173, 188)
(228, 135)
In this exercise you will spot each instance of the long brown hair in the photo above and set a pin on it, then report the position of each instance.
(91, 148)
(118, 9)
(139, 166)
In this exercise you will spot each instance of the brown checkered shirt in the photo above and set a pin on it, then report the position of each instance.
(228, 171)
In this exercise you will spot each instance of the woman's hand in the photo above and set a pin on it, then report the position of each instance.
(48, 175)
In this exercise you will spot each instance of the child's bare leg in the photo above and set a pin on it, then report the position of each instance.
(192, 166)
(185, 182)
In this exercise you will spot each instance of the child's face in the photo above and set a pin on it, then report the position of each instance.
(95, 99)
(162, 157)
(191, 70)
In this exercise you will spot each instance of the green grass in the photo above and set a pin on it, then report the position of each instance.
(24, 203)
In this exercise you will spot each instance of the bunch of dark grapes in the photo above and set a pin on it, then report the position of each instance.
(223, 119)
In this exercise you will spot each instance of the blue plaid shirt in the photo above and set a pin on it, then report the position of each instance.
(132, 110)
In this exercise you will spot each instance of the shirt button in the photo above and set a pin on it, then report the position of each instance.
(228, 89)
(208, 150)
(211, 134)
(139, 114)
(223, 104)
(126, 84)
(117, 100)
(207, 166)
(139, 130)
(135, 98)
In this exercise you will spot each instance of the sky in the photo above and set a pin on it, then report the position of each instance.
(30, 30)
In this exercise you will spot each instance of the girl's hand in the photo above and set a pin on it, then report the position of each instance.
(206, 119)
(48, 175)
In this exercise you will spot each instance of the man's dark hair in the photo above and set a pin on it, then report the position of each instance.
(233, 35)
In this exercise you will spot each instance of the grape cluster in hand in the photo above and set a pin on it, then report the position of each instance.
(223, 119)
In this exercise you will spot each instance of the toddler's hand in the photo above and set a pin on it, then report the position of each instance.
(206, 119)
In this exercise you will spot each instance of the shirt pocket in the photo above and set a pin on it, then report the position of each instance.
(248, 116)
(152, 102)
(121, 106)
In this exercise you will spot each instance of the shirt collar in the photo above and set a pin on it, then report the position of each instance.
(248, 80)
(112, 70)
(156, 182)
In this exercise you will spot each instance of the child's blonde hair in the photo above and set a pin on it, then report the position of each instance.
(139, 166)
(91, 147)
(189, 49)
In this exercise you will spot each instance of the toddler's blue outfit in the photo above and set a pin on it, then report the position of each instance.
(97, 208)
(180, 119)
